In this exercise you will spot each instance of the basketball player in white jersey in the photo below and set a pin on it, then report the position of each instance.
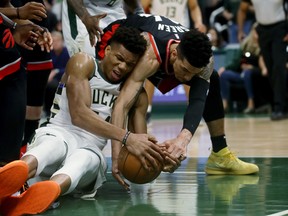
(69, 148)
(83, 21)
(178, 11)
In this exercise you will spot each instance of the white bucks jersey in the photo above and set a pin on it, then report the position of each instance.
(174, 9)
(103, 96)
(113, 9)
(75, 32)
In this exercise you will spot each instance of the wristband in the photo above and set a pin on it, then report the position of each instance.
(8, 22)
(125, 137)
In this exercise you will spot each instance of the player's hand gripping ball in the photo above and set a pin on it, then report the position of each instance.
(132, 169)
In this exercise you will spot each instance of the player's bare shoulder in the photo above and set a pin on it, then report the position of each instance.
(80, 64)
(82, 56)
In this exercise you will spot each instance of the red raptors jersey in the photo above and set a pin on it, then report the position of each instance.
(162, 32)
(9, 55)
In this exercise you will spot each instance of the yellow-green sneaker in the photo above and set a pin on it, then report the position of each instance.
(225, 162)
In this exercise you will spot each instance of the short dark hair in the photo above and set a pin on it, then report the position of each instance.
(196, 47)
(131, 39)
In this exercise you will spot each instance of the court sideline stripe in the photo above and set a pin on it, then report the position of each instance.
(179, 172)
(280, 213)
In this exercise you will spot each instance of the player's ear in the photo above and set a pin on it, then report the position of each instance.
(107, 50)
(174, 53)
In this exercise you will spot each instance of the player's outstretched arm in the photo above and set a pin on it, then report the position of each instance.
(137, 114)
(177, 148)
(143, 147)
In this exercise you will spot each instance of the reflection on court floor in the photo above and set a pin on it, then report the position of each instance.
(189, 191)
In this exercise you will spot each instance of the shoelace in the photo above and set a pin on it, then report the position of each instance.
(24, 187)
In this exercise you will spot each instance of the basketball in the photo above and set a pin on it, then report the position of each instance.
(132, 169)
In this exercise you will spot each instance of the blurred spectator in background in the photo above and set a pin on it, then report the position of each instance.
(224, 19)
(273, 37)
(60, 58)
(51, 16)
(230, 15)
(241, 69)
(208, 7)
(216, 39)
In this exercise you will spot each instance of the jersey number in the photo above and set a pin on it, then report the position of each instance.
(171, 12)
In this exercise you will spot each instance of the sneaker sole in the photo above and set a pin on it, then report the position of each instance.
(227, 172)
(12, 177)
(36, 199)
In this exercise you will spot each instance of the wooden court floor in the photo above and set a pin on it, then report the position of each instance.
(189, 191)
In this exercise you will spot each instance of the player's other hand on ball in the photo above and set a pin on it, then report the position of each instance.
(171, 162)
(175, 151)
(152, 138)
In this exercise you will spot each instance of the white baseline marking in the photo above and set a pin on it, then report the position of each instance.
(280, 213)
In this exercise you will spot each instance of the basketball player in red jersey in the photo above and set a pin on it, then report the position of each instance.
(176, 55)
(13, 80)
